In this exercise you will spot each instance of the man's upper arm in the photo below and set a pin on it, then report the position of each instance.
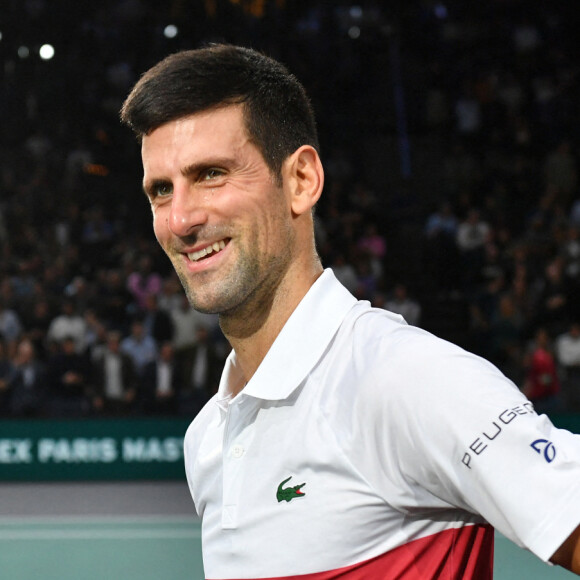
(568, 554)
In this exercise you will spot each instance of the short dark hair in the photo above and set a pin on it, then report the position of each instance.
(277, 112)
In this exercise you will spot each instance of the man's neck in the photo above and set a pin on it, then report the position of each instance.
(251, 330)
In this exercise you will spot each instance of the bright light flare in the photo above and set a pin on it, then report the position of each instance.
(170, 31)
(46, 51)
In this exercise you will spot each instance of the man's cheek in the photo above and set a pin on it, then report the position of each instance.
(160, 226)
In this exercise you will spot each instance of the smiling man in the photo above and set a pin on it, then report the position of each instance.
(342, 442)
(236, 233)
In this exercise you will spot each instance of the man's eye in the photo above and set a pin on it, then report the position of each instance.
(212, 174)
(162, 190)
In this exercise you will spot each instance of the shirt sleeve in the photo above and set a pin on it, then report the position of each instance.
(462, 435)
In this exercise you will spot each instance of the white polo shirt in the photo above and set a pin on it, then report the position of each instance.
(367, 448)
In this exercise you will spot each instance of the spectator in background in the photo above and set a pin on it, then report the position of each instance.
(139, 345)
(114, 298)
(186, 321)
(372, 242)
(542, 383)
(28, 385)
(160, 384)
(36, 323)
(170, 296)
(69, 324)
(442, 223)
(69, 374)
(574, 216)
(371, 247)
(554, 301)
(156, 321)
(567, 348)
(79, 290)
(144, 281)
(115, 379)
(472, 234)
(6, 378)
(367, 279)
(10, 327)
(200, 369)
(96, 331)
(570, 252)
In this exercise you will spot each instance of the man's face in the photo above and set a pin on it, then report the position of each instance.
(217, 211)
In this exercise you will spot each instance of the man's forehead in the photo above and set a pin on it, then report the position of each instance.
(219, 127)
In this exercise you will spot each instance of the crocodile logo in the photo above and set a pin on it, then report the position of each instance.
(289, 493)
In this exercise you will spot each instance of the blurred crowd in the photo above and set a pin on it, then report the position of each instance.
(450, 139)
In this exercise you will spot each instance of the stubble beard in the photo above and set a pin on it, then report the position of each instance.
(218, 297)
(245, 290)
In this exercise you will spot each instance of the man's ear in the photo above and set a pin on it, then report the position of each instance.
(304, 178)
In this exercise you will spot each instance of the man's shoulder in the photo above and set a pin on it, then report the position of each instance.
(381, 332)
(385, 358)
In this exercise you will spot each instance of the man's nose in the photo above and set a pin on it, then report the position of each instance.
(188, 210)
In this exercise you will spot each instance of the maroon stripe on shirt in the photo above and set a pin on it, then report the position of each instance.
(457, 554)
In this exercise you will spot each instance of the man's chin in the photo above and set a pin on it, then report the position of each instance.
(206, 304)
(200, 305)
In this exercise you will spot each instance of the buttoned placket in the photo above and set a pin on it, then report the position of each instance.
(238, 432)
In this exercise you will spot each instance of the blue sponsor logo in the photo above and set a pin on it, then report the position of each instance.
(545, 448)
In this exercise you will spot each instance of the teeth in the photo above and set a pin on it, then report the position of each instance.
(215, 247)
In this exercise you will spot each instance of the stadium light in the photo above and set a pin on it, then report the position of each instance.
(354, 32)
(170, 31)
(46, 51)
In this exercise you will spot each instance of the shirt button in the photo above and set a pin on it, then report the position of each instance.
(237, 451)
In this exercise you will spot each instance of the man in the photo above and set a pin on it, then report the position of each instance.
(341, 442)
(139, 345)
(28, 382)
(68, 374)
(115, 377)
(199, 368)
(156, 321)
(160, 383)
(68, 324)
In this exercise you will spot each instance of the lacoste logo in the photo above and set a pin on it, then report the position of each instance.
(289, 493)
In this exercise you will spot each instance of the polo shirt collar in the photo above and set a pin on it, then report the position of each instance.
(297, 348)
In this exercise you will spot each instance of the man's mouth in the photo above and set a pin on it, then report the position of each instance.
(208, 250)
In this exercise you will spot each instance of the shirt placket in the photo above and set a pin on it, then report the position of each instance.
(237, 436)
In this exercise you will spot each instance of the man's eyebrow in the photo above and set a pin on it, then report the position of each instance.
(188, 171)
(201, 166)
